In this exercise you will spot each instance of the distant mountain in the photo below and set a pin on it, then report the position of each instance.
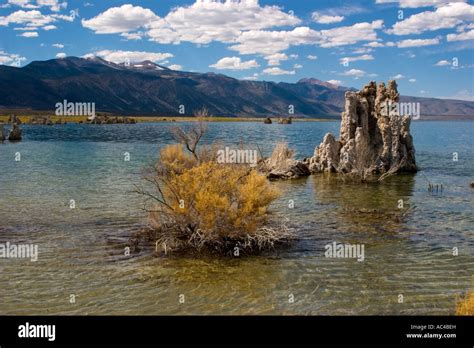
(147, 88)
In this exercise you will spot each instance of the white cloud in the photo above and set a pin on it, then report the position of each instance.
(224, 21)
(61, 55)
(270, 42)
(326, 19)
(443, 63)
(132, 56)
(351, 34)
(356, 73)
(30, 34)
(374, 44)
(54, 5)
(57, 45)
(347, 60)
(33, 20)
(297, 66)
(412, 80)
(312, 57)
(11, 59)
(200, 23)
(335, 82)
(29, 18)
(278, 71)
(444, 17)
(466, 35)
(175, 67)
(122, 19)
(234, 63)
(251, 78)
(398, 77)
(417, 42)
(274, 59)
(417, 3)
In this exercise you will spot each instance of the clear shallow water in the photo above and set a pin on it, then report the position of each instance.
(81, 250)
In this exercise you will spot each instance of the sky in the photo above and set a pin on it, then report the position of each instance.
(426, 45)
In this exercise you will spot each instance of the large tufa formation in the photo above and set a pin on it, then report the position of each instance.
(374, 138)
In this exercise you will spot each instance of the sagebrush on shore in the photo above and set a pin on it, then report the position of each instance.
(196, 203)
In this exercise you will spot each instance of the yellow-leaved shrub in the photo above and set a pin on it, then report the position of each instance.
(466, 305)
(200, 202)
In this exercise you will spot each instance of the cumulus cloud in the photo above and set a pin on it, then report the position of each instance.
(61, 55)
(54, 5)
(335, 82)
(412, 80)
(201, 22)
(398, 77)
(417, 3)
(448, 16)
(274, 59)
(269, 42)
(33, 20)
(11, 59)
(417, 42)
(123, 19)
(132, 56)
(278, 71)
(326, 19)
(443, 63)
(234, 63)
(465, 35)
(356, 73)
(347, 60)
(57, 45)
(30, 34)
(312, 57)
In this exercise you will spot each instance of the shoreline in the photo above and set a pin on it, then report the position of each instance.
(162, 119)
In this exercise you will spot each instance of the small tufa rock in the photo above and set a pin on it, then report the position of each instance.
(281, 165)
(472, 184)
(282, 120)
(372, 141)
(2, 134)
(268, 120)
(15, 133)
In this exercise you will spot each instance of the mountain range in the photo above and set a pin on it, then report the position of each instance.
(147, 88)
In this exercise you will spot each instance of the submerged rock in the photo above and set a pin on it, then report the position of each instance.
(2, 134)
(288, 120)
(281, 165)
(373, 139)
(15, 133)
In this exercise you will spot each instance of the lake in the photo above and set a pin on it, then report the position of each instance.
(81, 258)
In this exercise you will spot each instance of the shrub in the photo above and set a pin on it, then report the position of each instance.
(466, 305)
(199, 203)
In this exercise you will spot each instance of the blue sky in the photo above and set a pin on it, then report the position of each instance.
(427, 45)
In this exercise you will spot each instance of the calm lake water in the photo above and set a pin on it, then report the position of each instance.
(81, 249)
